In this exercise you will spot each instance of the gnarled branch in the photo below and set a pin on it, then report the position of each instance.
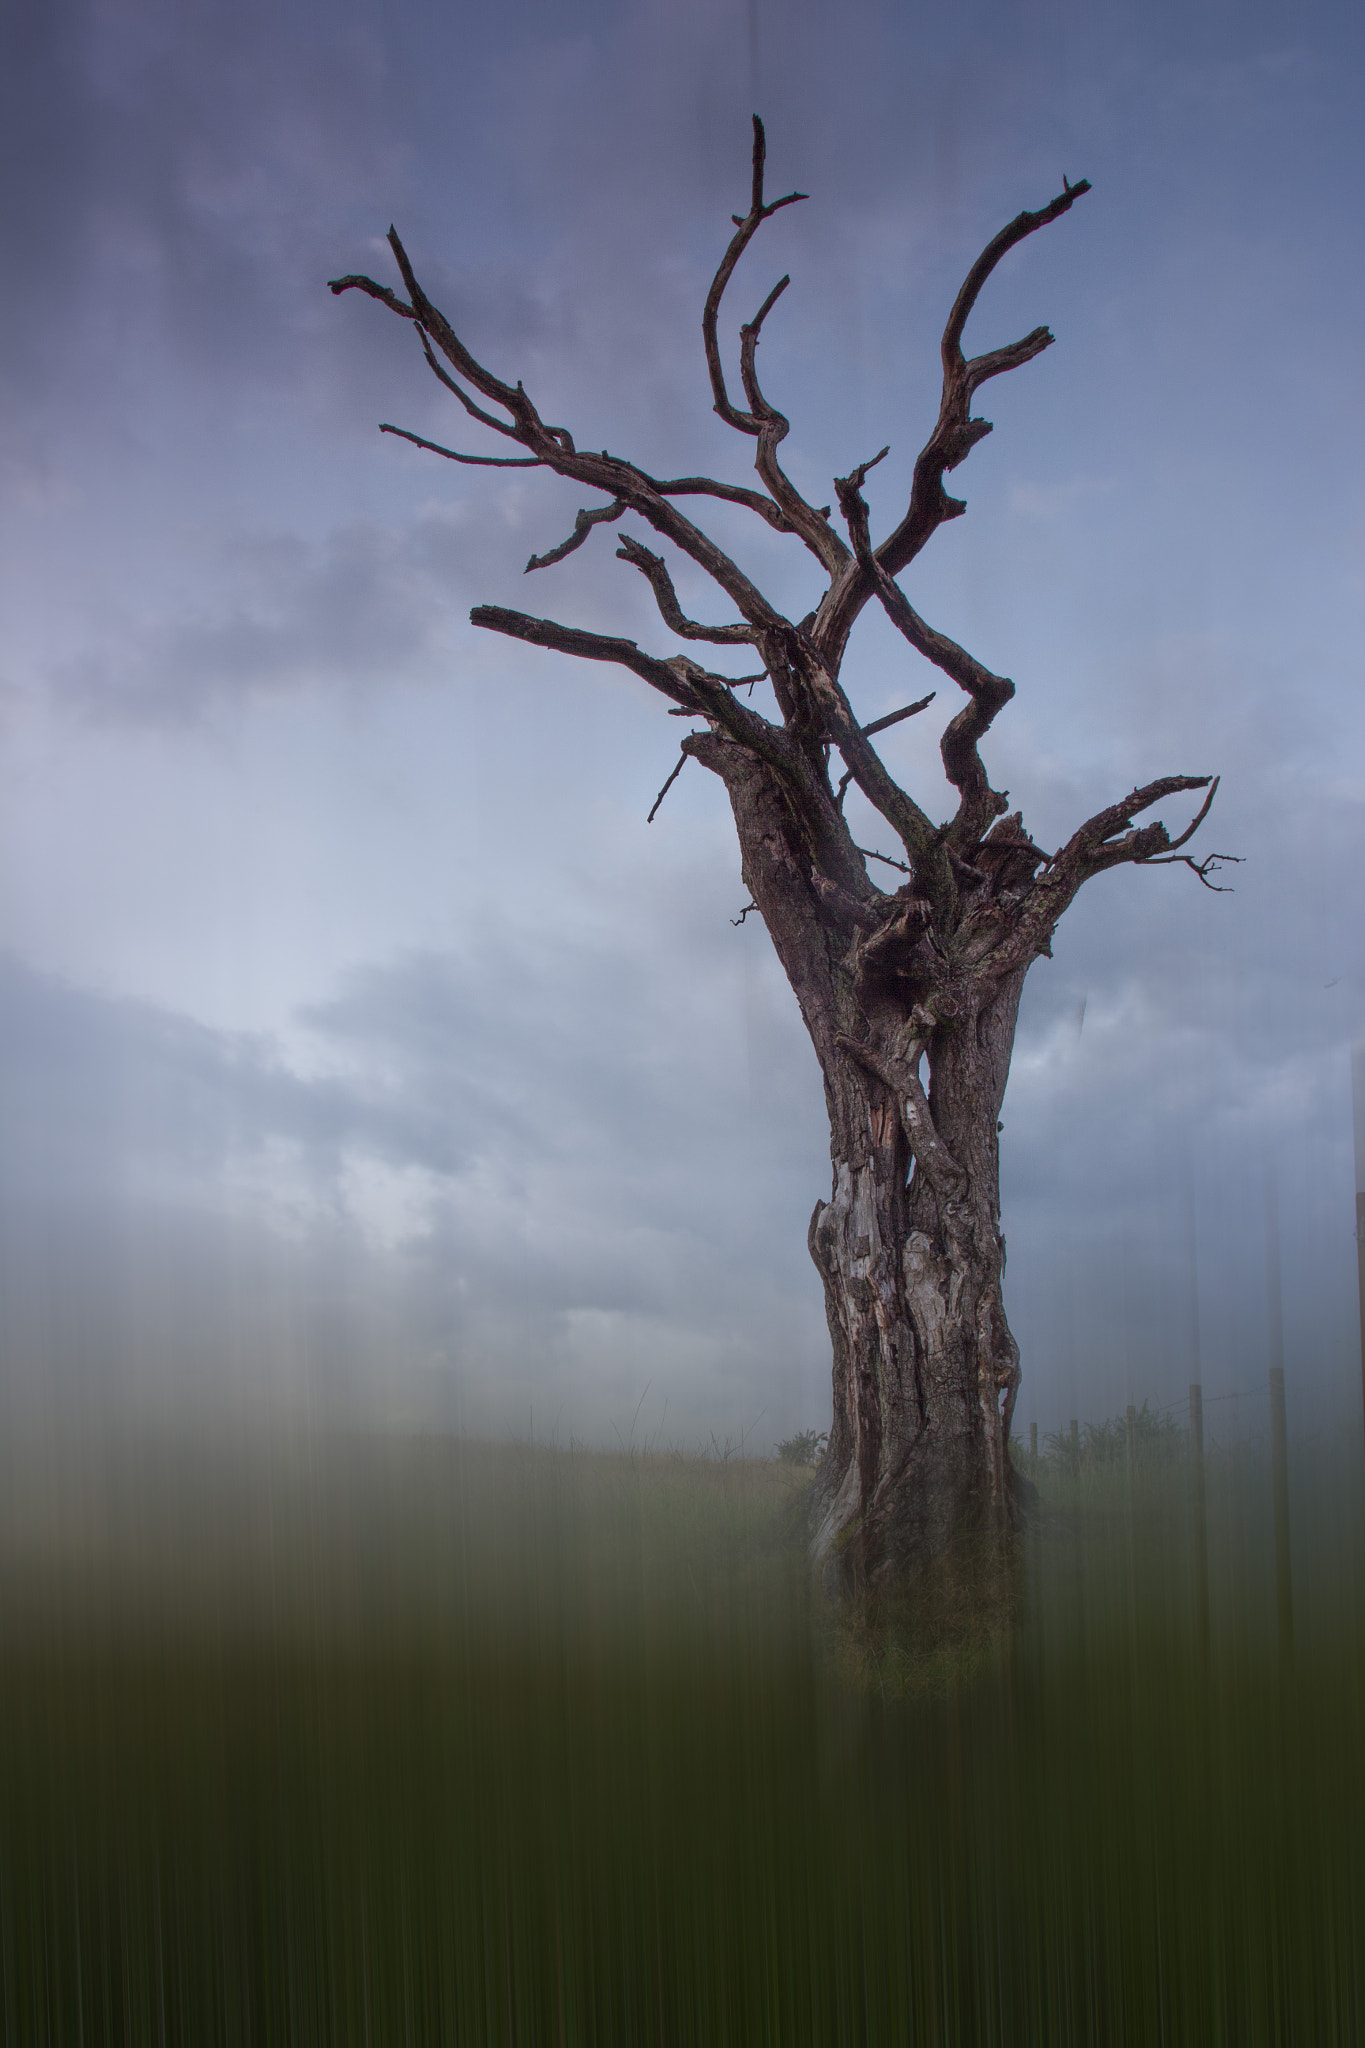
(553, 447)
(663, 676)
(730, 494)
(762, 420)
(955, 433)
(989, 693)
(583, 525)
(1211, 863)
(1198, 820)
(690, 686)
(355, 282)
(1110, 837)
(912, 826)
(661, 583)
(1106, 840)
(745, 230)
(433, 322)
(773, 428)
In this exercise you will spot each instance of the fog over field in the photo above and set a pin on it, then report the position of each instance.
(361, 1046)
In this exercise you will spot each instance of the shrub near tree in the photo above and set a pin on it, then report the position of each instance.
(909, 985)
(803, 1449)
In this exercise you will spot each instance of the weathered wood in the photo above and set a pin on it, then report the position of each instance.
(911, 997)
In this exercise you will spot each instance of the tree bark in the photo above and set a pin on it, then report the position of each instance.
(925, 1366)
(908, 1247)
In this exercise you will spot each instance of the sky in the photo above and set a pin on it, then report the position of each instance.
(365, 1052)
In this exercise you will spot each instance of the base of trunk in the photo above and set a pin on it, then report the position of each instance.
(943, 1505)
(946, 1623)
(926, 1594)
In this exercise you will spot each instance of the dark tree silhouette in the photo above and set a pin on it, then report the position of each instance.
(890, 982)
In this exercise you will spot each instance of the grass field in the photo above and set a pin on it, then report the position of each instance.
(406, 1740)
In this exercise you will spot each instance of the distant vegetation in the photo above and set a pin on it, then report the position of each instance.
(804, 1449)
(1150, 1438)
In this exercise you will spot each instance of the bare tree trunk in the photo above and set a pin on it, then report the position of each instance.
(925, 1367)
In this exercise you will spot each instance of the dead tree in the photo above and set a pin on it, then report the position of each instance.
(893, 983)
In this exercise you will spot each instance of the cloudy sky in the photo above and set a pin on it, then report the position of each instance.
(361, 1042)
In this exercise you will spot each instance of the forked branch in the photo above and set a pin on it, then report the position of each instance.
(584, 522)
(553, 447)
(955, 433)
(745, 230)
(1111, 837)
(1211, 864)
(694, 689)
(655, 569)
(763, 420)
(989, 693)
(1198, 820)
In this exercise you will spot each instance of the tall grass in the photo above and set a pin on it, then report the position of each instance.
(419, 1741)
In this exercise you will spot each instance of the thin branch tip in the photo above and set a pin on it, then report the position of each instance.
(755, 325)
(1212, 864)
(856, 478)
(682, 763)
(451, 455)
(895, 717)
(584, 522)
(868, 853)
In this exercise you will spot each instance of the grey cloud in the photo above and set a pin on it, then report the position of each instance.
(167, 171)
(585, 1155)
(602, 1175)
(1163, 1079)
(547, 1183)
(364, 607)
(92, 1089)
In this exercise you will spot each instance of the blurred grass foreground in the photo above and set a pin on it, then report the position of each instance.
(348, 1739)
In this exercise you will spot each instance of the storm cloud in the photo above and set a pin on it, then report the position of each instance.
(360, 1037)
